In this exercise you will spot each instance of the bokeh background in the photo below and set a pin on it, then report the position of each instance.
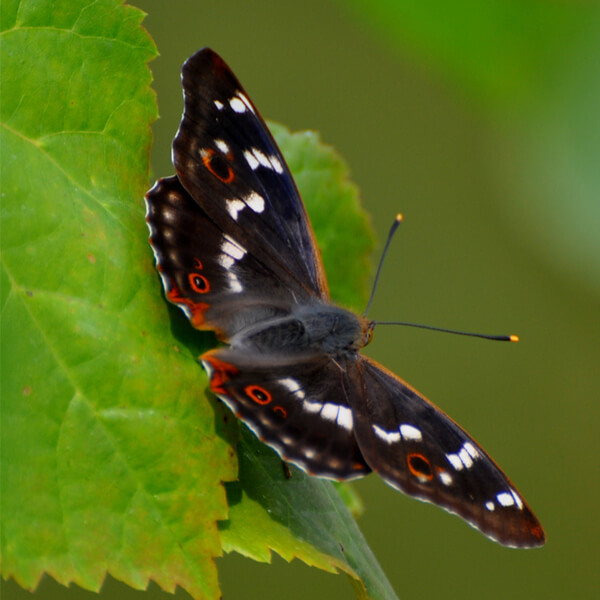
(480, 123)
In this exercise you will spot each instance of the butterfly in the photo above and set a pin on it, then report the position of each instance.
(236, 252)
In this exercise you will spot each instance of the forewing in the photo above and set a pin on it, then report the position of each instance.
(419, 450)
(214, 280)
(229, 163)
(298, 407)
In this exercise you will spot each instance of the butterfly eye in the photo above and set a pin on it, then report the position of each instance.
(258, 394)
(419, 466)
(199, 283)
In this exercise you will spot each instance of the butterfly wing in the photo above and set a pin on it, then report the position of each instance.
(204, 271)
(230, 165)
(419, 450)
(297, 406)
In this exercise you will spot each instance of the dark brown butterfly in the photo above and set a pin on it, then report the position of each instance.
(235, 251)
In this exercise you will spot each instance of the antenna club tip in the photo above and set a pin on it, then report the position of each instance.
(399, 218)
(513, 338)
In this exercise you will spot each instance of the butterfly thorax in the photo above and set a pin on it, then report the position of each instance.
(314, 328)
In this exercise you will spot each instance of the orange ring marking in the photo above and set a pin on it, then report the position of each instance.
(255, 392)
(281, 411)
(207, 156)
(193, 278)
(414, 470)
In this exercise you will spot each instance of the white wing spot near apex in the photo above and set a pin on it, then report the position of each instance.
(505, 498)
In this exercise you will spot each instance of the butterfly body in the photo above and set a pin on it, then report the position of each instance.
(313, 328)
(236, 252)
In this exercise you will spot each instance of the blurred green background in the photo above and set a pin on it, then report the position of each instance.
(481, 125)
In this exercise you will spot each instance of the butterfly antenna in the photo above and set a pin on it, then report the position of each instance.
(485, 336)
(393, 228)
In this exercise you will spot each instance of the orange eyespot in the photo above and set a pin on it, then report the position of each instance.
(281, 411)
(419, 466)
(217, 165)
(199, 283)
(258, 394)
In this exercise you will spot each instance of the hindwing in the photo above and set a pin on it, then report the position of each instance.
(297, 406)
(213, 278)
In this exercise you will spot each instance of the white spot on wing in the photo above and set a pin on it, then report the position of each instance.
(261, 157)
(225, 261)
(219, 104)
(228, 246)
(445, 477)
(473, 452)
(238, 105)
(222, 146)
(410, 432)
(234, 207)
(330, 411)
(230, 253)
(312, 407)
(387, 436)
(256, 202)
(251, 159)
(465, 457)
(294, 387)
(245, 100)
(505, 498)
(276, 164)
(235, 285)
(455, 461)
(169, 215)
(257, 158)
(344, 418)
(517, 499)
(490, 506)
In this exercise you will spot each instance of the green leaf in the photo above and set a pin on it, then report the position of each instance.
(297, 516)
(112, 460)
(106, 465)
